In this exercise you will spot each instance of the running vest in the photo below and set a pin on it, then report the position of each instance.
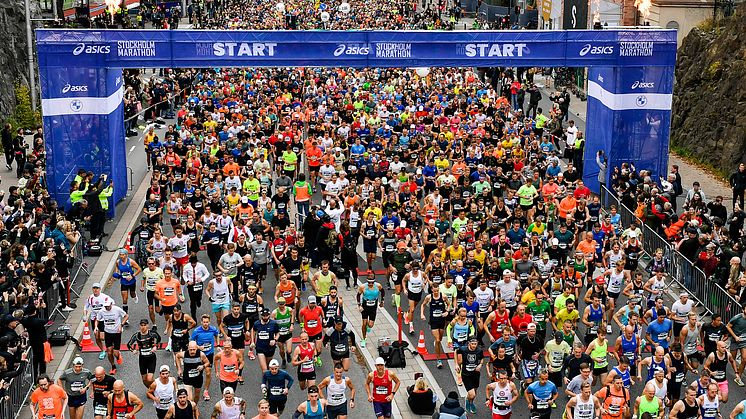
(370, 296)
(679, 377)
(284, 320)
(649, 406)
(500, 396)
(381, 387)
(164, 393)
(159, 247)
(654, 366)
(323, 283)
(596, 316)
(583, 409)
(335, 392)
(600, 352)
(229, 367)
(616, 282)
(185, 413)
(151, 277)
(690, 343)
(127, 274)
(121, 408)
(692, 412)
(179, 328)
(191, 363)
(307, 352)
(625, 376)
(230, 412)
(718, 367)
(629, 349)
(415, 283)
(317, 414)
(220, 294)
(437, 308)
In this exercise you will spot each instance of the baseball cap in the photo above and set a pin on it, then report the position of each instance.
(228, 390)
(144, 321)
(78, 361)
(274, 363)
(96, 285)
(108, 302)
(281, 300)
(311, 299)
(555, 241)
(633, 234)
(507, 272)
(380, 361)
(164, 367)
(244, 199)
(265, 312)
(459, 280)
(531, 326)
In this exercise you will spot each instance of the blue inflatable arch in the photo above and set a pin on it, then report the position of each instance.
(630, 81)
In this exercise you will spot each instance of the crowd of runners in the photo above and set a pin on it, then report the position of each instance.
(281, 177)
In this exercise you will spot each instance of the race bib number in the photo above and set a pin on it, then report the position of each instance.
(100, 410)
(306, 366)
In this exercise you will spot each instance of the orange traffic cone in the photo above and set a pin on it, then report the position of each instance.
(128, 245)
(86, 336)
(421, 344)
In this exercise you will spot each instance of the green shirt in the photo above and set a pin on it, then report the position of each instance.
(541, 120)
(290, 159)
(527, 194)
(252, 186)
(540, 313)
(561, 300)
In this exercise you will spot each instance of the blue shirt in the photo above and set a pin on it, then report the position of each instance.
(206, 338)
(659, 332)
(265, 332)
(542, 392)
(275, 384)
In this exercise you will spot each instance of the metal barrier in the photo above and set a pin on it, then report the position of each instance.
(707, 292)
(17, 390)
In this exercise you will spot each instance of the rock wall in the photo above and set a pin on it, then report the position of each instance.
(13, 51)
(709, 102)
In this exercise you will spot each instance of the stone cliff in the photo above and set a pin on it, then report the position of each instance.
(13, 51)
(709, 99)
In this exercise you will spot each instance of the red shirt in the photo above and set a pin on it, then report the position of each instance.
(381, 386)
(312, 319)
(520, 323)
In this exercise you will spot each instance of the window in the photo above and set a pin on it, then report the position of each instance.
(672, 25)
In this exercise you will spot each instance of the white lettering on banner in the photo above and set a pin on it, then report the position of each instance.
(629, 101)
(136, 48)
(91, 49)
(636, 49)
(596, 50)
(642, 85)
(252, 49)
(393, 50)
(352, 49)
(83, 105)
(70, 88)
(495, 50)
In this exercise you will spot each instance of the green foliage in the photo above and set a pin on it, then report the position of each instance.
(23, 115)
(714, 69)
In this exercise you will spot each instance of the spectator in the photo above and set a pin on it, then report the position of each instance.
(738, 184)
(421, 398)
(37, 337)
(451, 408)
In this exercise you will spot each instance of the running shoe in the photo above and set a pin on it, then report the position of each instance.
(608, 329)
(319, 363)
(440, 364)
(738, 381)
(362, 343)
(303, 287)
(113, 371)
(102, 355)
(411, 328)
(284, 364)
(206, 396)
(137, 300)
(119, 359)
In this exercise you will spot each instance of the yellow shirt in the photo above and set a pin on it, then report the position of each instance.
(455, 253)
(528, 297)
(563, 315)
(232, 202)
(480, 257)
(442, 163)
(149, 137)
(376, 212)
(210, 125)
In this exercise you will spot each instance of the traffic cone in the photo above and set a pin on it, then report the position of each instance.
(86, 336)
(128, 245)
(421, 349)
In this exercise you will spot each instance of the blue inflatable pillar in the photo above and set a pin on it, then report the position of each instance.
(629, 118)
(84, 128)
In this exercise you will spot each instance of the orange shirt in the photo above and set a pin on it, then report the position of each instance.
(430, 212)
(549, 189)
(314, 156)
(231, 167)
(228, 367)
(286, 291)
(458, 169)
(350, 201)
(567, 205)
(168, 291)
(245, 213)
(49, 402)
(586, 247)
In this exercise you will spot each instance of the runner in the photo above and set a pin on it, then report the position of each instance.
(583, 406)
(264, 336)
(206, 338)
(688, 408)
(717, 363)
(163, 391)
(195, 363)
(76, 381)
(342, 341)
(194, 274)
(615, 400)
(276, 384)
(283, 316)
(150, 277)
(228, 363)
(303, 356)
(598, 349)
(235, 326)
(649, 403)
(690, 339)
(540, 396)
(219, 292)
(230, 406)
(439, 308)
(314, 407)
(110, 320)
(381, 387)
(183, 408)
(102, 385)
(414, 282)
(336, 386)
(181, 326)
(93, 304)
(332, 305)
(323, 280)
(737, 329)
(368, 297)
(168, 293)
(469, 365)
(501, 395)
(145, 342)
(126, 271)
(529, 352)
(122, 404)
(555, 352)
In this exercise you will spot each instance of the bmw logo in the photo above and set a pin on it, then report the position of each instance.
(76, 105)
(641, 101)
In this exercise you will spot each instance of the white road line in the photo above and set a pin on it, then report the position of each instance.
(131, 150)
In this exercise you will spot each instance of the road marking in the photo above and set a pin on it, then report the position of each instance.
(131, 150)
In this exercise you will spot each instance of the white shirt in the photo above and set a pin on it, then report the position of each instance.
(112, 319)
(572, 133)
(195, 274)
(94, 304)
